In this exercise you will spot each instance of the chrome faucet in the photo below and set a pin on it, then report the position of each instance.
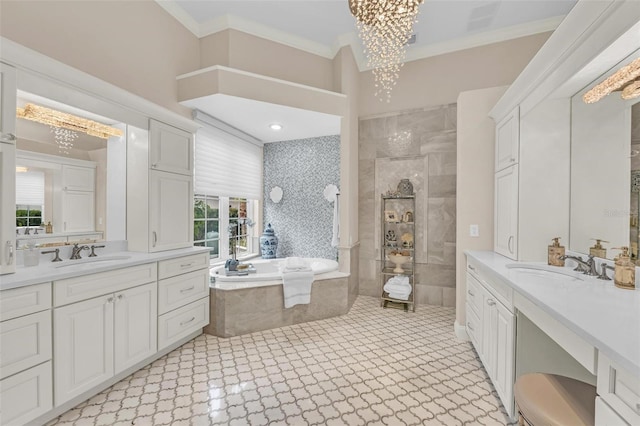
(603, 275)
(75, 251)
(587, 267)
(93, 250)
(27, 230)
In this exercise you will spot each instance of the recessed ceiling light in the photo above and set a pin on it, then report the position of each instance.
(275, 126)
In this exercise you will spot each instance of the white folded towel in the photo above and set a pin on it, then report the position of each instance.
(398, 288)
(401, 296)
(296, 285)
(295, 264)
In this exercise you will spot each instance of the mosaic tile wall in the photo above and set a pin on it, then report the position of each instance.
(419, 145)
(303, 219)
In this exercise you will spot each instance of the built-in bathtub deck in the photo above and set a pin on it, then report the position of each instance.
(237, 310)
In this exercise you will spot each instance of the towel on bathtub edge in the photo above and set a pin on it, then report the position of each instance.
(296, 285)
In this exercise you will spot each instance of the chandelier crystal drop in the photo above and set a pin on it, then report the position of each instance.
(64, 138)
(385, 26)
(625, 80)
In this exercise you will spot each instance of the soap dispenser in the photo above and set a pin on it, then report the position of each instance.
(556, 251)
(624, 275)
(597, 250)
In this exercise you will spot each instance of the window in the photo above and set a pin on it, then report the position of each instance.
(28, 215)
(206, 225)
(228, 185)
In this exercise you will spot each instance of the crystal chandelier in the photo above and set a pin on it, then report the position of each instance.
(64, 138)
(385, 26)
(626, 80)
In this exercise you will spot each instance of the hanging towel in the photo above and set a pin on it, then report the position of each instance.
(331, 193)
(296, 285)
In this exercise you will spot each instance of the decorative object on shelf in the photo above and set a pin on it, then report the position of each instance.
(405, 187)
(268, 243)
(276, 194)
(390, 239)
(49, 228)
(625, 80)
(408, 217)
(391, 216)
(399, 260)
(407, 240)
(385, 29)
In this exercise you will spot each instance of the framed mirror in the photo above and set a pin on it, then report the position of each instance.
(605, 170)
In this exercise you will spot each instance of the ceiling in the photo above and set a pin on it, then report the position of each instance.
(323, 26)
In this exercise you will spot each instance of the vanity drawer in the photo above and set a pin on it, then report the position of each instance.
(88, 286)
(24, 300)
(181, 265)
(474, 328)
(619, 389)
(181, 322)
(474, 295)
(27, 395)
(25, 342)
(178, 291)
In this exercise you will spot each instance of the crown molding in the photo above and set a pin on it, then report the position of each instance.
(174, 9)
(485, 38)
(351, 39)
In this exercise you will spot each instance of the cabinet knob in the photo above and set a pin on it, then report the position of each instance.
(491, 302)
(110, 300)
(469, 326)
(120, 296)
(472, 268)
(470, 293)
(8, 137)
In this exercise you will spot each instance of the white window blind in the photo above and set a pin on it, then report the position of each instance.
(30, 188)
(226, 165)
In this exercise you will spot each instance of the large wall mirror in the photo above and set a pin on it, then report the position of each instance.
(67, 177)
(605, 170)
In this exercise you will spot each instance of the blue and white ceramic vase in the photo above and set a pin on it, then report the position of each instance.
(268, 243)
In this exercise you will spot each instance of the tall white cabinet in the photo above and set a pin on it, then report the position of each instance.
(7, 169)
(159, 188)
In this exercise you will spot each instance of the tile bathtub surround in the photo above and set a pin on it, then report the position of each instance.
(371, 366)
(419, 145)
(303, 220)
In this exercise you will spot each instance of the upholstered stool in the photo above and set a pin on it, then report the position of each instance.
(550, 400)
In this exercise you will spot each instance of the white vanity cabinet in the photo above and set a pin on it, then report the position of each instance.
(101, 336)
(7, 208)
(7, 168)
(491, 326)
(619, 391)
(508, 140)
(183, 284)
(159, 188)
(506, 212)
(25, 358)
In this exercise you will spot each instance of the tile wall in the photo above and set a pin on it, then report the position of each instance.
(419, 145)
(303, 219)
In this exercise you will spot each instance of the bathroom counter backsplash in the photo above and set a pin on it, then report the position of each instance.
(115, 251)
(605, 316)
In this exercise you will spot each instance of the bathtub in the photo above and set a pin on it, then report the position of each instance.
(255, 302)
(267, 270)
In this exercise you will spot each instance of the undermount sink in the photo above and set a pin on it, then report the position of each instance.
(90, 261)
(546, 271)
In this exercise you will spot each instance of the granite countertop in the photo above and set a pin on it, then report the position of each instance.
(605, 316)
(108, 260)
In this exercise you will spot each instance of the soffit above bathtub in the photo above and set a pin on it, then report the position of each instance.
(321, 27)
(251, 102)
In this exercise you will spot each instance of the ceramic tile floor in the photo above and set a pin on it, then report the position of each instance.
(372, 366)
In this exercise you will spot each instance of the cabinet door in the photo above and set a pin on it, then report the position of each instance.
(136, 325)
(506, 212)
(171, 149)
(78, 178)
(170, 211)
(503, 376)
(489, 334)
(508, 140)
(8, 96)
(83, 350)
(26, 395)
(78, 211)
(7, 208)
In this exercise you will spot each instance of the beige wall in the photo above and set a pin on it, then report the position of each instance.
(135, 45)
(475, 174)
(438, 80)
(246, 52)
